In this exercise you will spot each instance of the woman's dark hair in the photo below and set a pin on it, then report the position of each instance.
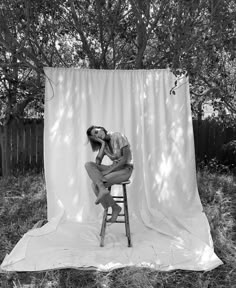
(94, 144)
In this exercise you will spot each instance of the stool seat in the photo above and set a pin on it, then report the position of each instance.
(118, 199)
(124, 182)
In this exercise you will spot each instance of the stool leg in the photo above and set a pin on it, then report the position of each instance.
(104, 223)
(126, 212)
(103, 228)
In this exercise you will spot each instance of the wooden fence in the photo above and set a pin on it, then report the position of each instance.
(209, 136)
(21, 147)
(21, 144)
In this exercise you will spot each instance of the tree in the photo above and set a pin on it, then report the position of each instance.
(194, 36)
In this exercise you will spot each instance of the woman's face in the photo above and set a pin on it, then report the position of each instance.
(99, 133)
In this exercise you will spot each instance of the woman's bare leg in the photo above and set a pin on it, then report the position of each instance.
(116, 178)
(107, 200)
(100, 183)
(95, 173)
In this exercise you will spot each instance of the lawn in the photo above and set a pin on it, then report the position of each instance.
(23, 203)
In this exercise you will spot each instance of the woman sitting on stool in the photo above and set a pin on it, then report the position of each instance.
(117, 148)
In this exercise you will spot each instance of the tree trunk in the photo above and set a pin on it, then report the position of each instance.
(142, 43)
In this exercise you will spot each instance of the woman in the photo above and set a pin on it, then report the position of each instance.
(117, 148)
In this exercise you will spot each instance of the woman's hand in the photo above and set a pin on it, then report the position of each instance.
(110, 155)
(97, 139)
(101, 152)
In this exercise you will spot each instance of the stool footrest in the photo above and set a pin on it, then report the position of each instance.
(110, 214)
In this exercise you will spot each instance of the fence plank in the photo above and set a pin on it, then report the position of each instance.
(7, 151)
(202, 135)
(219, 139)
(1, 151)
(33, 145)
(39, 129)
(20, 146)
(211, 139)
(27, 145)
(229, 134)
(14, 131)
(195, 134)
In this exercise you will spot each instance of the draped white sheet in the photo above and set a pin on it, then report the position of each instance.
(169, 229)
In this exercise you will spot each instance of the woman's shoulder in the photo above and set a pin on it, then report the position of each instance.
(117, 135)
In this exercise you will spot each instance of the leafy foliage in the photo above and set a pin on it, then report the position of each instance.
(228, 153)
(197, 36)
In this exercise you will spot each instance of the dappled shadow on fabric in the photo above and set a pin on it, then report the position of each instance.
(168, 228)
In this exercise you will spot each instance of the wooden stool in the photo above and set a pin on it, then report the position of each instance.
(118, 199)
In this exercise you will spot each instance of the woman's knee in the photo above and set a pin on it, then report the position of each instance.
(89, 164)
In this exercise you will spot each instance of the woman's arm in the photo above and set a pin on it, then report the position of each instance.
(101, 153)
(109, 154)
(125, 151)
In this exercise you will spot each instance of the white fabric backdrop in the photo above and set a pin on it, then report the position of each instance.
(169, 229)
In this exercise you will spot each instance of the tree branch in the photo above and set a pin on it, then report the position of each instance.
(83, 38)
(141, 35)
(229, 105)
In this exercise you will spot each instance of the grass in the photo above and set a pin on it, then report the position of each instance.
(23, 203)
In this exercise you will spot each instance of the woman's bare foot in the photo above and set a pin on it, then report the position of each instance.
(102, 192)
(115, 213)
